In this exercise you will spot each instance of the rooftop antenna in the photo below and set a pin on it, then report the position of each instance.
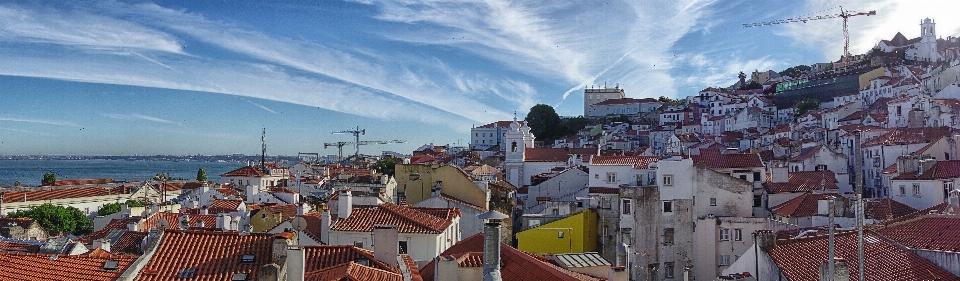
(263, 148)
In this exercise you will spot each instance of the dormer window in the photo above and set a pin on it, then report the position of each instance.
(187, 273)
(247, 258)
(239, 277)
(110, 265)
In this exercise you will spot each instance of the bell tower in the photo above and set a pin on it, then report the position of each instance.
(515, 149)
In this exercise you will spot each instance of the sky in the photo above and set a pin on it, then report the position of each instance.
(206, 77)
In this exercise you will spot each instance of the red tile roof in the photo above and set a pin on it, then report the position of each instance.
(462, 202)
(638, 162)
(174, 220)
(128, 243)
(7, 246)
(604, 190)
(800, 259)
(931, 232)
(352, 271)
(407, 219)
(223, 206)
(82, 182)
(949, 169)
(886, 208)
(803, 206)
(901, 136)
(215, 255)
(326, 256)
(502, 124)
(626, 101)
(803, 182)
(25, 266)
(245, 171)
(64, 193)
(532, 154)
(515, 265)
(711, 158)
(806, 153)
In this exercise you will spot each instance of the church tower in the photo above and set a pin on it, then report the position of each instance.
(516, 144)
(926, 49)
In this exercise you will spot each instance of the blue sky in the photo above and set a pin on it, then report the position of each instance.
(203, 77)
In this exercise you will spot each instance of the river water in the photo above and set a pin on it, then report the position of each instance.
(30, 172)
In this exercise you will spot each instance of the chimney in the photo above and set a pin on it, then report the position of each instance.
(842, 274)
(204, 210)
(251, 192)
(447, 269)
(953, 202)
(303, 209)
(618, 273)
(103, 244)
(780, 174)
(925, 165)
(296, 260)
(281, 241)
(766, 238)
(823, 206)
(325, 227)
(386, 243)
(491, 244)
(204, 188)
(133, 226)
(345, 204)
(269, 272)
(907, 164)
(223, 222)
(200, 223)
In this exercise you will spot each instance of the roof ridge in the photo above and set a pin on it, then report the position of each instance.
(396, 210)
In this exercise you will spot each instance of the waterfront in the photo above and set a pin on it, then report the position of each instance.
(30, 172)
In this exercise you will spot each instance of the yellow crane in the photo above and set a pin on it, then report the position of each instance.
(804, 19)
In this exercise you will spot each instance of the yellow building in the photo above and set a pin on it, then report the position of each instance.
(268, 217)
(574, 234)
(417, 180)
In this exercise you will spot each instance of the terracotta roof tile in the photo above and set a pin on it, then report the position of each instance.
(502, 124)
(352, 271)
(931, 232)
(64, 193)
(214, 255)
(174, 220)
(901, 136)
(803, 206)
(638, 162)
(626, 101)
(83, 182)
(128, 243)
(7, 246)
(886, 208)
(806, 153)
(245, 171)
(804, 181)
(800, 259)
(326, 256)
(24, 266)
(711, 158)
(516, 265)
(407, 219)
(465, 203)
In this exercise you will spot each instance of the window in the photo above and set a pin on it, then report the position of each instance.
(820, 168)
(947, 187)
(667, 180)
(756, 176)
(533, 223)
(358, 244)
(627, 203)
(187, 273)
(724, 260)
(247, 258)
(668, 236)
(713, 201)
(667, 206)
(758, 200)
(110, 265)
(611, 177)
(724, 234)
(639, 180)
(668, 270)
(743, 177)
(737, 234)
(239, 277)
(916, 190)
(903, 190)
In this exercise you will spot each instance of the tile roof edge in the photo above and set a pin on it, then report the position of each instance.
(137, 266)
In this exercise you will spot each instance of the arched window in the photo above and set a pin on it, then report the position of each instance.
(514, 147)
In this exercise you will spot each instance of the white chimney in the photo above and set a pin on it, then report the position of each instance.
(204, 188)
(325, 227)
(823, 207)
(103, 244)
(132, 226)
(491, 244)
(251, 193)
(295, 263)
(204, 211)
(345, 204)
(224, 222)
(780, 174)
(386, 243)
(200, 223)
(303, 208)
(447, 269)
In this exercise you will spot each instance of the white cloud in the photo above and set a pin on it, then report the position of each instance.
(26, 131)
(261, 106)
(138, 116)
(39, 121)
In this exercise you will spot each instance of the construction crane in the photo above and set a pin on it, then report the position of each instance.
(804, 19)
(340, 145)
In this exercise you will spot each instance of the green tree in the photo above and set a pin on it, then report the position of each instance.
(807, 104)
(543, 121)
(387, 165)
(16, 183)
(59, 218)
(572, 125)
(201, 175)
(134, 203)
(751, 85)
(108, 209)
(48, 179)
(665, 99)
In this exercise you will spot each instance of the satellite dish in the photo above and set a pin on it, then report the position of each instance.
(298, 223)
(163, 224)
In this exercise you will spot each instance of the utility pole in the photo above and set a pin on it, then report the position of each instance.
(859, 185)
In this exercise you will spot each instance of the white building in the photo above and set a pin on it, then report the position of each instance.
(593, 96)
